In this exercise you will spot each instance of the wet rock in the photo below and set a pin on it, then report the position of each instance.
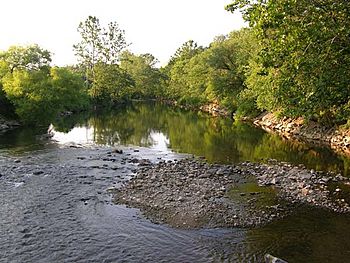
(118, 151)
(271, 259)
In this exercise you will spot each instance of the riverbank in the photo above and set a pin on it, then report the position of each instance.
(194, 194)
(292, 129)
(337, 139)
(296, 129)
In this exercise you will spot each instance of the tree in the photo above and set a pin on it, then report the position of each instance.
(111, 84)
(176, 71)
(30, 57)
(142, 69)
(215, 74)
(304, 57)
(37, 91)
(98, 44)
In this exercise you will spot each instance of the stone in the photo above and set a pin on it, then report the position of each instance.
(271, 259)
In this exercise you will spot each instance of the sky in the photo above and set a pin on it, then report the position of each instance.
(158, 27)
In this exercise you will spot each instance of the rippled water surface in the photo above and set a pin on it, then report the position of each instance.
(55, 206)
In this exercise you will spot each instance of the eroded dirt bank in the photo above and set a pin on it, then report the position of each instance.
(337, 139)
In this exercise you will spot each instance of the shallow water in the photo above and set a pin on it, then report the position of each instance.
(55, 207)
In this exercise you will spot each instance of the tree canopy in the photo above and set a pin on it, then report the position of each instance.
(302, 67)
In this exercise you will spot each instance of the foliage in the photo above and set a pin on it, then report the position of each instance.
(71, 94)
(37, 91)
(30, 57)
(6, 108)
(176, 71)
(302, 69)
(143, 70)
(28, 91)
(39, 96)
(214, 74)
(98, 44)
(111, 84)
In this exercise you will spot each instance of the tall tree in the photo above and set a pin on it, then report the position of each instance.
(98, 44)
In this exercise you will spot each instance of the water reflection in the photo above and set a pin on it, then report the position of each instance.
(219, 140)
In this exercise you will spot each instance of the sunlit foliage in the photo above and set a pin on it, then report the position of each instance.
(302, 69)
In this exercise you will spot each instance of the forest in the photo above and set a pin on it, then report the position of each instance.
(293, 60)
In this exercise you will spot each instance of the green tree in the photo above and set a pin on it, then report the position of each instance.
(176, 71)
(142, 69)
(6, 107)
(215, 74)
(30, 57)
(304, 58)
(71, 94)
(111, 84)
(98, 44)
(29, 92)
(38, 92)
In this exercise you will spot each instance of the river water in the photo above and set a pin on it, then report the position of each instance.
(55, 206)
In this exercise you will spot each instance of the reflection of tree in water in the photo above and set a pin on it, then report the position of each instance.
(218, 139)
(132, 124)
(67, 123)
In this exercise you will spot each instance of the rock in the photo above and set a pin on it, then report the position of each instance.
(304, 191)
(272, 182)
(38, 172)
(271, 259)
(305, 175)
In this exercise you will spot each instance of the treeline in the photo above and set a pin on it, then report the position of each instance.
(293, 60)
(107, 74)
(35, 91)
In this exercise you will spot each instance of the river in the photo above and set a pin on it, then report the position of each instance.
(55, 206)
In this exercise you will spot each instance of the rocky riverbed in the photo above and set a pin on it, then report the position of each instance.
(191, 193)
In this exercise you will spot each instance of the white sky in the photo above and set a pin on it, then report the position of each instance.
(158, 27)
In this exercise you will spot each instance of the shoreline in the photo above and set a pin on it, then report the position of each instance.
(292, 129)
(311, 132)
